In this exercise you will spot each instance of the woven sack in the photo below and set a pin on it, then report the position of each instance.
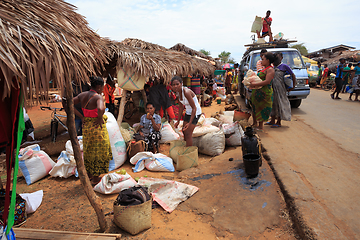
(133, 219)
(130, 82)
(187, 158)
(175, 146)
(257, 24)
(136, 147)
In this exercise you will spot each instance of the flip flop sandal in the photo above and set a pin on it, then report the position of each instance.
(275, 126)
(268, 123)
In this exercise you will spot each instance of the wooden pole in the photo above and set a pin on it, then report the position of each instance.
(144, 97)
(122, 107)
(84, 179)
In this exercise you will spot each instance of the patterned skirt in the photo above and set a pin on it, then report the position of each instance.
(96, 147)
(261, 101)
(152, 139)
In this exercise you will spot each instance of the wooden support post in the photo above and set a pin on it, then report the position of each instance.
(84, 179)
(144, 97)
(122, 107)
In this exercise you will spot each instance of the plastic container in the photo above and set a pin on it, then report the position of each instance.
(218, 100)
(250, 143)
(252, 164)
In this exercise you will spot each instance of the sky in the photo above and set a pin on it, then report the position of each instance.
(218, 26)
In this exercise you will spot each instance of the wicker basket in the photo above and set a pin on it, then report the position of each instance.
(133, 219)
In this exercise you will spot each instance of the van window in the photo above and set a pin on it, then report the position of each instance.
(291, 58)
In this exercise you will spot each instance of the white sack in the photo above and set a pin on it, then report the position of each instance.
(65, 166)
(168, 194)
(211, 144)
(114, 183)
(153, 162)
(34, 164)
(233, 133)
(69, 149)
(168, 134)
(118, 146)
(225, 119)
(33, 200)
(212, 121)
(198, 130)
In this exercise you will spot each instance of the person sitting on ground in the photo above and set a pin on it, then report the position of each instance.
(109, 90)
(150, 125)
(266, 29)
(188, 100)
(96, 143)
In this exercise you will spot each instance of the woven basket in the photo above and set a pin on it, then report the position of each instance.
(175, 146)
(133, 219)
(187, 158)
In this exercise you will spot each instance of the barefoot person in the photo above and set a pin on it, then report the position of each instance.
(188, 100)
(96, 143)
(262, 99)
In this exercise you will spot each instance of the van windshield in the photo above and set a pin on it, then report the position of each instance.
(291, 58)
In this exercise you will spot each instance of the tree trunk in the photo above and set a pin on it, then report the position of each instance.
(122, 107)
(84, 179)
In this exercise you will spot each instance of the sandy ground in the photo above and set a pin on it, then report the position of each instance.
(227, 206)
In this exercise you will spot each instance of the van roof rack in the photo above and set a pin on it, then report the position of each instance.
(275, 44)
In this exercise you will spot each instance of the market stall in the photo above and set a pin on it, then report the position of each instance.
(42, 41)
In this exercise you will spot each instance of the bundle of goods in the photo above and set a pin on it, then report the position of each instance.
(251, 77)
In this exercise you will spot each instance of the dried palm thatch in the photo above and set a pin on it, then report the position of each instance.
(153, 63)
(45, 40)
(182, 48)
(133, 42)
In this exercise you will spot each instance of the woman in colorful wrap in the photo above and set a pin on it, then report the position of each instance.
(262, 99)
(96, 143)
(188, 100)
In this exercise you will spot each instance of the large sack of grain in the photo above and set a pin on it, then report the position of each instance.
(211, 144)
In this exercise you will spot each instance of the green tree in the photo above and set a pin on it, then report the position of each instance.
(225, 57)
(207, 53)
(301, 48)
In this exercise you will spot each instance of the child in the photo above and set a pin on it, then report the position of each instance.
(109, 90)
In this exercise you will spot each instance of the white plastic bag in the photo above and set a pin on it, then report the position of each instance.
(64, 167)
(114, 183)
(118, 146)
(153, 162)
(69, 149)
(212, 121)
(167, 193)
(233, 133)
(168, 134)
(211, 144)
(34, 163)
(33, 200)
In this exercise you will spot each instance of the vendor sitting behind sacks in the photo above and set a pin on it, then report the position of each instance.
(150, 125)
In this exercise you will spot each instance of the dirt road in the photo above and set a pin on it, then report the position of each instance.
(227, 206)
(316, 157)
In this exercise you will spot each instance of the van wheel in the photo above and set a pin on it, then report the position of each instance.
(295, 103)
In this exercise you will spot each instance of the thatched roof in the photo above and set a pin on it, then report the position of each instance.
(45, 40)
(347, 55)
(158, 62)
(133, 42)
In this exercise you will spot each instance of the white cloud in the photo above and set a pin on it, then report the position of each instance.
(223, 26)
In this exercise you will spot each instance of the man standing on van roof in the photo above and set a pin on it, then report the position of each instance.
(266, 29)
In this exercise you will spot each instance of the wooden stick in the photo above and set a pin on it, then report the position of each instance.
(84, 179)
(28, 233)
(144, 97)
(122, 107)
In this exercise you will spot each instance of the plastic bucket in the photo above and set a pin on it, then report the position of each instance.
(252, 164)
(218, 101)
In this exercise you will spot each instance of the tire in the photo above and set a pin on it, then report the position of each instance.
(53, 129)
(295, 103)
(129, 110)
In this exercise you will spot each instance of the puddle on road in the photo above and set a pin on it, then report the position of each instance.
(251, 184)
